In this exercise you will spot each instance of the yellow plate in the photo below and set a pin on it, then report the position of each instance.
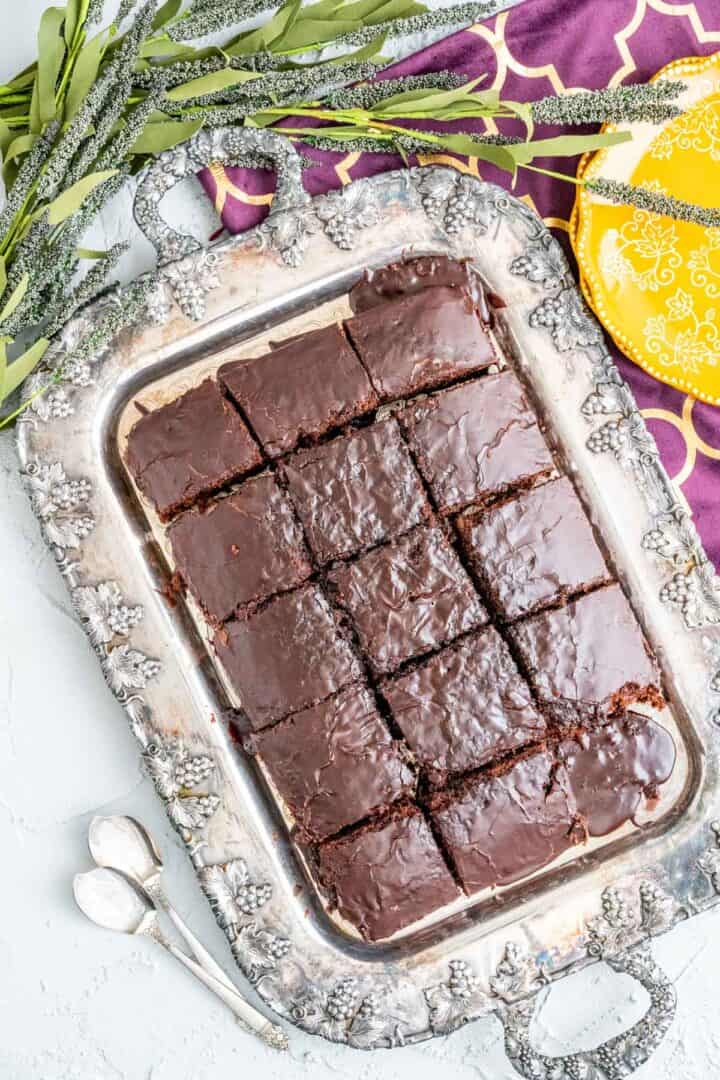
(654, 282)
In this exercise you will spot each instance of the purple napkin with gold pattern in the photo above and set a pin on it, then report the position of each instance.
(541, 47)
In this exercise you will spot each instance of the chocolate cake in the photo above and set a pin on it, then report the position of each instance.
(534, 549)
(590, 656)
(406, 598)
(475, 440)
(240, 549)
(387, 874)
(285, 656)
(412, 276)
(611, 768)
(301, 389)
(423, 644)
(420, 340)
(464, 707)
(499, 828)
(189, 448)
(356, 491)
(335, 763)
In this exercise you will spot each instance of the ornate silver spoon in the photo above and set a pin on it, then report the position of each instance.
(111, 899)
(122, 843)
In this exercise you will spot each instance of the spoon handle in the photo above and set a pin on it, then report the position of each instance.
(270, 1033)
(160, 899)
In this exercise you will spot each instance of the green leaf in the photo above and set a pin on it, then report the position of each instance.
(263, 36)
(260, 120)
(371, 51)
(166, 49)
(17, 147)
(25, 79)
(210, 84)
(433, 100)
(84, 74)
(15, 297)
(3, 275)
(566, 145)
(19, 370)
(164, 135)
(369, 12)
(89, 253)
(51, 50)
(35, 122)
(72, 199)
(6, 139)
(469, 147)
(306, 33)
(337, 134)
(523, 111)
(73, 15)
(326, 8)
(394, 9)
(165, 13)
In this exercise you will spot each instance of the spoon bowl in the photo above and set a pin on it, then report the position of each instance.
(121, 842)
(111, 900)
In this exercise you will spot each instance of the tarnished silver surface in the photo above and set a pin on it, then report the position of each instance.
(494, 956)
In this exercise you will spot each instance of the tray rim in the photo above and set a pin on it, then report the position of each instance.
(628, 917)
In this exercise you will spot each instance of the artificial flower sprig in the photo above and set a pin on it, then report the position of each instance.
(100, 101)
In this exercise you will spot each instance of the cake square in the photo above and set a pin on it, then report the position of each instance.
(533, 550)
(421, 340)
(475, 440)
(301, 389)
(356, 491)
(189, 448)
(387, 875)
(286, 656)
(407, 598)
(410, 276)
(497, 829)
(464, 707)
(240, 549)
(335, 763)
(612, 767)
(589, 655)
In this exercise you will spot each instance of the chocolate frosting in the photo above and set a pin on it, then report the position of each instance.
(501, 828)
(240, 549)
(584, 653)
(464, 706)
(420, 341)
(356, 491)
(476, 439)
(534, 549)
(610, 769)
(405, 278)
(386, 876)
(286, 656)
(514, 737)
(335, 763)
(407, 598)
(301, 389)
(189, 448)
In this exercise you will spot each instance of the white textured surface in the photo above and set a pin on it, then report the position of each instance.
(78, 1003)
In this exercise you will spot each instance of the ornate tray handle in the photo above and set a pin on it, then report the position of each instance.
(614, 1059)
(245, 147)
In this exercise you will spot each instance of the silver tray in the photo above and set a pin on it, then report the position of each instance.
(604, 902)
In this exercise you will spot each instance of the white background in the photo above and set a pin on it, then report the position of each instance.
(79, 1003)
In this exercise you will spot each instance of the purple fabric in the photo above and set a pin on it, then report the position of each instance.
(538, 48)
